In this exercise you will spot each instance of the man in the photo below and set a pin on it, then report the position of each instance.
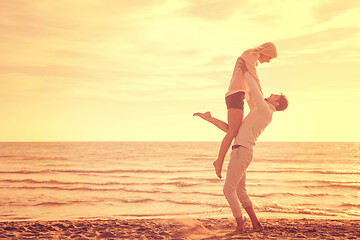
(260, 115)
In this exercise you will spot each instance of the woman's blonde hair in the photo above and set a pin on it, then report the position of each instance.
(267, 49)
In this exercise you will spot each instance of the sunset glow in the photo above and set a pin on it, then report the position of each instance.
(137, 70)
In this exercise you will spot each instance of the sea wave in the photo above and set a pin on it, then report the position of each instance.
(302, 161)
(177, 171)
(295, 209)
(324, 182)
(119, 189)
(352, 205)
(165, 215)
(301, 170)
(202, 179)
(32, 158)
(8, 156)
(76, 202)
(333, 186)
(80, 171)
(57, 182)
(85, 188)
(287, 194)
(115, 200)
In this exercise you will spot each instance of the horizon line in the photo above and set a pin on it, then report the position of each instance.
(162, 141)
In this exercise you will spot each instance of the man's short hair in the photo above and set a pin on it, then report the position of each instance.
(283, 103)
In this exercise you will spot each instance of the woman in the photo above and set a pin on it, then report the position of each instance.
(235, 96)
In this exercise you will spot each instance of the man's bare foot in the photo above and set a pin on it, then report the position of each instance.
(218, 167)
(240, 228)
(258, 228)
(205, 115)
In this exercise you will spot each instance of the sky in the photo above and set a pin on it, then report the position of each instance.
(116, 70)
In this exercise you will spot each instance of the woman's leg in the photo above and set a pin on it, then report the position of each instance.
(235, 117)
(218, 123)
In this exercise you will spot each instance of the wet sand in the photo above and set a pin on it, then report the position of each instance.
(182, 228)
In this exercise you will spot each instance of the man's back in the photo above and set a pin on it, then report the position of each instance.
(257, 119)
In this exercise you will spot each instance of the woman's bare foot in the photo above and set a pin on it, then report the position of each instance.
(205, 115)
(218, 167)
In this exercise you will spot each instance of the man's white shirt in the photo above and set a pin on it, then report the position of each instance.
(257, 119)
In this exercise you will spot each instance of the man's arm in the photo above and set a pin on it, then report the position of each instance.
(245, 68)
(255, 92)
(250, 101)
(248, 95)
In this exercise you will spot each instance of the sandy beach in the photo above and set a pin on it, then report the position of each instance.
(179, 228)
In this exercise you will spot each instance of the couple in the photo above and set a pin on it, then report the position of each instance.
(245, 132)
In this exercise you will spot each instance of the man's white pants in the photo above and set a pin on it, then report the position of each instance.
(235, 183)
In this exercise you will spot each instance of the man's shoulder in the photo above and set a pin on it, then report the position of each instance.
(268, 110)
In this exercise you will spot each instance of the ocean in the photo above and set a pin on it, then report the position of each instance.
(116, 180)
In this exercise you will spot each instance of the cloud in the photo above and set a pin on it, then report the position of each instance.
(76, 20)
(77, 54)
(212, 9)
(220, 61)
(52, 71)
(329, 9)
(76, 73)
(317, 39)
(54, 80)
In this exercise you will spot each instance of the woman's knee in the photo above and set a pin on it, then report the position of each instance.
(233, 131)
